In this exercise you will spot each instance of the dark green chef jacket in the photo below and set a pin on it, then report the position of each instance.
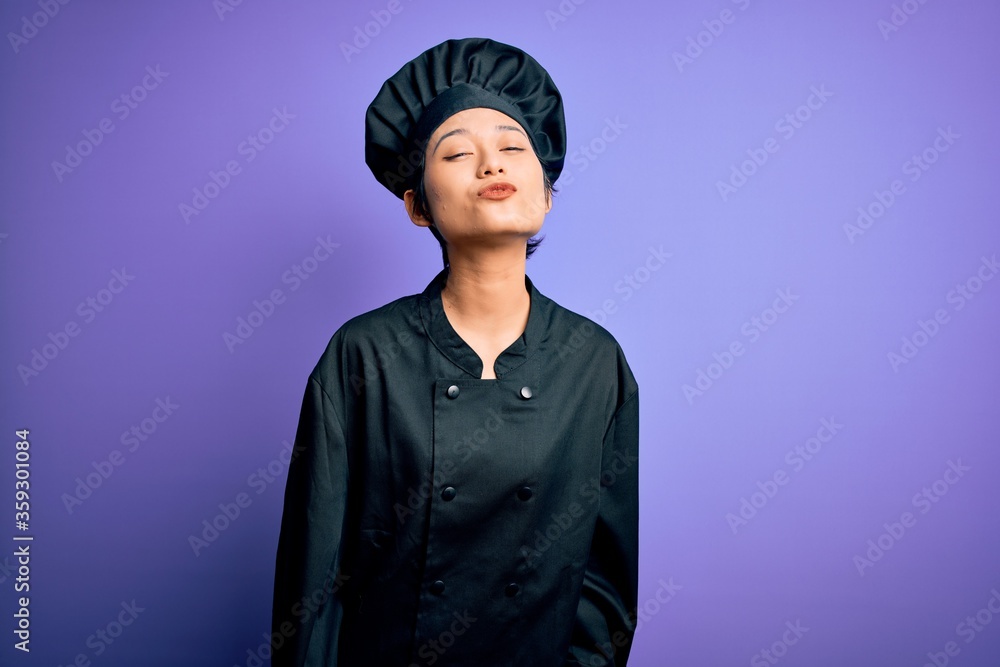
(435, 518)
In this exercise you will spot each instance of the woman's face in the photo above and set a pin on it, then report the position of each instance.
(483, 182)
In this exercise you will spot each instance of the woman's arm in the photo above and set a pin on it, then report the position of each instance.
(605, 618)
(307, 609)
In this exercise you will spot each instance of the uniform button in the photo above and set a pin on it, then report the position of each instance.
(524, 493)
(525, 392)
(449, 493)
(437, 588)
(453, 391)
(511, 590)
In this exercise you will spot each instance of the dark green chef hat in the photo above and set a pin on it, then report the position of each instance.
(453, 76)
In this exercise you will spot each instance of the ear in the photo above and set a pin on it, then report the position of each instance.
(548, 201)
(409, 197)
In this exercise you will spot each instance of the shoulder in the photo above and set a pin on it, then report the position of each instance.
(568, 326)
(375, 332)
(578, 340)
(384, 321)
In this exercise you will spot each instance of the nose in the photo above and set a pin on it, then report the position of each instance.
(491, 164)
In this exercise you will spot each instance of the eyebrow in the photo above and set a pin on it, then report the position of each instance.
(462, 130)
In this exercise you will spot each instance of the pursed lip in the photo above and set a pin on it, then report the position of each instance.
(497, 190)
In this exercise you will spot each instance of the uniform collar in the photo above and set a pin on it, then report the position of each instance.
(451, 345)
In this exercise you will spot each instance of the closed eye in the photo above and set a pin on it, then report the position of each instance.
(455, 156)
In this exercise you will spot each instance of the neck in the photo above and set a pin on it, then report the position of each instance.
(486, 290)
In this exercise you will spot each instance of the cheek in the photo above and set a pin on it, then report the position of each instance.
(446, 191)
(437, 196)
(432, 189)
(434, 180)
(538, 190)
(537, 179)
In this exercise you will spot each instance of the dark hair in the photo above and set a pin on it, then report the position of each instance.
(421, 208)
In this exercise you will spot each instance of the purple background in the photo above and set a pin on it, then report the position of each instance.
(651, 137)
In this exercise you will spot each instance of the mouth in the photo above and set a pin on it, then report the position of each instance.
(497, 191)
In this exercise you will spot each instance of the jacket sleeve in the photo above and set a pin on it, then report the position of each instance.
(307, 607)
(605, 617)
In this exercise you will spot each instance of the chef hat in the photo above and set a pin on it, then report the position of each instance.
(453, 76)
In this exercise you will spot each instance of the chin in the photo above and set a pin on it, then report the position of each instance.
(521, 231)
(515, 222)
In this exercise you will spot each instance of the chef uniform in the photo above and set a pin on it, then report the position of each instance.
(435, 518)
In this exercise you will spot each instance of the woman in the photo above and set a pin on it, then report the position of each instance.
(465, 483)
